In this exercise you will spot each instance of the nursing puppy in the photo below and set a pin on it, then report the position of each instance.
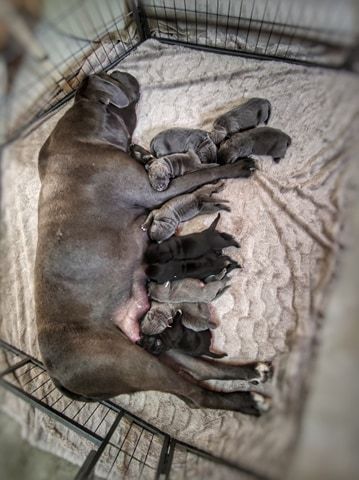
(196, 316)
(181, 338)
(182, 140)
(90, 284)
(162, 223)
(190, 246)
(188, 290)
(259, 141)
(201, 268)
(162, 170)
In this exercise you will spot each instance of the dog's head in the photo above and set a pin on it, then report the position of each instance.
(158, 174)
(120, 89)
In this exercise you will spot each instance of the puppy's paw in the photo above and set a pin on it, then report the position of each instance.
(261, 403)
(248, 164)
(264, 371)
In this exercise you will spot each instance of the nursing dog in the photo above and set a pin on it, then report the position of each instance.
(89, 278)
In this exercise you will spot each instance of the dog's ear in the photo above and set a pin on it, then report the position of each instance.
(97, 87)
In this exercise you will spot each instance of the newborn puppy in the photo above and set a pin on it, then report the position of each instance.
(202, 267)
(245, 116)
(259, 141)
(182, 140)
(188, 290)
(162, 170)
(190, 246)
(163, 222)
(196, 316)
(178, 337)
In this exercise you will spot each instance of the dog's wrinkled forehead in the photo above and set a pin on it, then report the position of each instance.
(119, 89)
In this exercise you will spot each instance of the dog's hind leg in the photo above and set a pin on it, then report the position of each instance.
(200, 369)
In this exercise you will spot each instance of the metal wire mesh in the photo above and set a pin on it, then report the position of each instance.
(87, 36)
(118, 444)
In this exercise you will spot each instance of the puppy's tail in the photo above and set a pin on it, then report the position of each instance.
(215, 355)
(269, 113)
(215, 222)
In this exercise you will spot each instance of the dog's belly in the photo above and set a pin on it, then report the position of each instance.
(127, 316)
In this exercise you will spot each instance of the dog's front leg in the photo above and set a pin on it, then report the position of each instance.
(191, 181)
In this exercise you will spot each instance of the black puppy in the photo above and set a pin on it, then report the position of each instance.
(202, 267)
(190, 246)
(258, 141)
(178, 337)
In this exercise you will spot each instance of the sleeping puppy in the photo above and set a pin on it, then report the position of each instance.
(196, 316)
(190, 246)
(162, 223)
(178, 337)
(201, 268)
(259, 141)
(162, 170)
(182, 140)
(245, 116)
(188, 290)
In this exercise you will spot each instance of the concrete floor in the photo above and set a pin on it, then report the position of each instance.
(20, 461)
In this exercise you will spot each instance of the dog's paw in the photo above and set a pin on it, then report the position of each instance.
(261, 403)
(264, 371)
(248, 164)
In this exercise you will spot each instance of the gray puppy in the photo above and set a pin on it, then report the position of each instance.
(188, 290)
(196, 316)
(181, 140)
(162, 170)
(163, 222)
(259, 141)
(245, 116)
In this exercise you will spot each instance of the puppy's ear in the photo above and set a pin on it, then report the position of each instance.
(178, 314)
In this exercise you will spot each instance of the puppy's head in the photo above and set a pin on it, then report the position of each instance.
(152, 344)
(119, 89)
(157, 319)
(158, 174)
(162, 229)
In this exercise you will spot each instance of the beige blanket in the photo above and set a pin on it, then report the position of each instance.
(288, 218)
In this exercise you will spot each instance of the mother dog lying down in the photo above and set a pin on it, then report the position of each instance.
(89, 277)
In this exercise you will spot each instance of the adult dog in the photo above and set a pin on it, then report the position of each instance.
(89, 277)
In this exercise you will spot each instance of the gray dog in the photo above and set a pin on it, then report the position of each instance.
(196, 316)
(188, 290)
(248, 115)
(90, 285)
(259, 141)
(162, 170)
(163, 222)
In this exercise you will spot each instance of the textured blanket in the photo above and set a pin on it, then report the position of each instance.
(288, 218)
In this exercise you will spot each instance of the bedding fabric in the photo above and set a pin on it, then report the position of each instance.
(288, 218)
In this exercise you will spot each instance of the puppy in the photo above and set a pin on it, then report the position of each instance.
(188, 290)
(259, 141)
(190, 246)
(196, 316)
(182, 140)
(162, 223)
(245, 116)
(201, 268)
(178, 337)
(162, 170)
